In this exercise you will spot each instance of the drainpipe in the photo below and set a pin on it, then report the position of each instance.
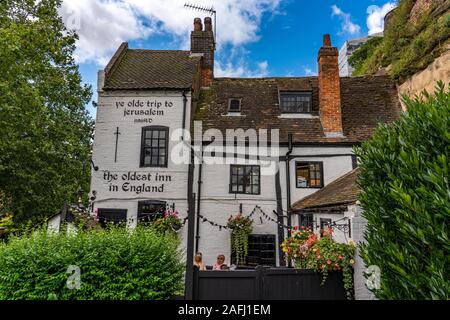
(199, 194)
(199, 190)
(288, 184)
(183, 125)
(288, 178)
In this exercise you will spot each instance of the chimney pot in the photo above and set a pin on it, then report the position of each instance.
(198, 24)
(208, 24)
(326, 40)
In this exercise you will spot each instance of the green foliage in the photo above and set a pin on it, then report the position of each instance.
(45, 131)
(358, 58)
(405, 196)
(408, 46)
(323, 254)
(115, 263)
(241, 227)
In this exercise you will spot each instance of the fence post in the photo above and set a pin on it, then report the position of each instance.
(259, 279)
(195, 283)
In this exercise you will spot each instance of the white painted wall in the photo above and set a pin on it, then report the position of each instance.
(217, 203)
(359, 224)
(111, 114)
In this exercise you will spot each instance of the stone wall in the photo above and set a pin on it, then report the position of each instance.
(426, 79)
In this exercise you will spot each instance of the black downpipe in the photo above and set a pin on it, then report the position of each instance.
(189, 277)
(280, 217)
(184, 113)
(288, 179)
(288, 185)
(199, 192)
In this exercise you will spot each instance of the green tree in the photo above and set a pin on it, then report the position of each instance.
(405, 196)
(45, 131)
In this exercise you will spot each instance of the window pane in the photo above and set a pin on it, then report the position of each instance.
(235, 105)
(292, 102)
(148, 134)
(155, 134)
(162, 134)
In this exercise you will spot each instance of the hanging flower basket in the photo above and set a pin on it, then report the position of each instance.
(308, 251)
(170, 222)
(241, 227)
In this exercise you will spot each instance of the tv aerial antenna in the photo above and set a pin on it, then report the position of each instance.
(209, 10)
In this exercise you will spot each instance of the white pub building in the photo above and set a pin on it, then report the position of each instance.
(150, 102)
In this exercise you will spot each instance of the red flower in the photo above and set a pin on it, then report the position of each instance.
(340, 257)
(328, 261)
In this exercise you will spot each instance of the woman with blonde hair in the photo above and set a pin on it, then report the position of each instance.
(198, 261)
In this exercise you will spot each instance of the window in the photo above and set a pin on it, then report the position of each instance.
(306, 220)
(309, 174)
(234, 105)
(261, 250)
(149, 211)
(244, 179)
(295, 102)
(115, 216)
(155, 140)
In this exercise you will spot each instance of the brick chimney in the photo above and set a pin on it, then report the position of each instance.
(202, 41)
(329, 89)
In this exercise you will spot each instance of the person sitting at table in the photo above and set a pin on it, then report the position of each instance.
(198, 261)
(224, 267)
(220, 261)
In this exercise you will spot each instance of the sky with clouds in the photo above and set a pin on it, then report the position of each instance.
(255, 38)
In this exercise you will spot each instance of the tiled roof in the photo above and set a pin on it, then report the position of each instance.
(343, 190)
(366, 101)
(153, 69)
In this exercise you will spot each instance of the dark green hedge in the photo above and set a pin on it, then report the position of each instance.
(405, 182)
(115, 264)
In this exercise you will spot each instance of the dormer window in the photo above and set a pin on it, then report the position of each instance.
(295, 102)
(234, 105)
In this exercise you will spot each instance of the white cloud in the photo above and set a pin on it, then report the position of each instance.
(375, 18)
(103, 24)
(241, 69)
(347, 25)
(309, 72)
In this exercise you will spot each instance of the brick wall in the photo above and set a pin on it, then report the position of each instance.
(202, 41)
(329, 89)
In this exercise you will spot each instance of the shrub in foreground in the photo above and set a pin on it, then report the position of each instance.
(114, 263)
(405, 196)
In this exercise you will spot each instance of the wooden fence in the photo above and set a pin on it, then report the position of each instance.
(265, 283)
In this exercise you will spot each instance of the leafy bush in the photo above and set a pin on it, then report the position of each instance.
(115, 263)
(358, 58)
(407, 46)
(405, 182)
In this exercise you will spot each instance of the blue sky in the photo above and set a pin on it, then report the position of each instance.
(255, 37)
